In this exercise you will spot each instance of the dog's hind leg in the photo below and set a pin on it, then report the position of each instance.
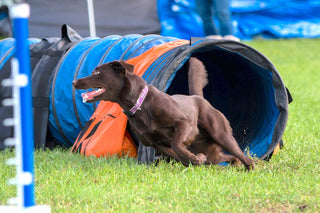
(218, 128)
(228, 143)
(215, 155)
(234, 161)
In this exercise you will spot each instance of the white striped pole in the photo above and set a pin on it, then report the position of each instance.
(92, 23)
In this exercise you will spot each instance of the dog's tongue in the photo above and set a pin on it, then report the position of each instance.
(87, 96)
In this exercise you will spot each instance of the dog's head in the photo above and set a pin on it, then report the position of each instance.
(107, 81)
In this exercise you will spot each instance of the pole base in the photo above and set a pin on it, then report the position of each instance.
(33, 209)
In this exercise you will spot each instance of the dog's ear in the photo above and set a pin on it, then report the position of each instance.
(121, 66)
(129, 67)
(117, 67)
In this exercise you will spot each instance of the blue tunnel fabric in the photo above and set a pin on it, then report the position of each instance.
(7, 48)
(249, 91)
(60, 112)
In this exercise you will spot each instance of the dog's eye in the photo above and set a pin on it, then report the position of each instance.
(96, 72)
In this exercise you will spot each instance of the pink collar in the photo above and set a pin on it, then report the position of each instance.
(139, 102)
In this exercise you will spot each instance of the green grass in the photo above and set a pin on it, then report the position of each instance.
(290, 182)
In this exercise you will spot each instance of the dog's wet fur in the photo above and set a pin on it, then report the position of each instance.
(185, 128)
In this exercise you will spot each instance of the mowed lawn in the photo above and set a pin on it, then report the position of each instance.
(289, 182)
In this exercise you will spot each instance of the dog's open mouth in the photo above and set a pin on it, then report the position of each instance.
(89, 96)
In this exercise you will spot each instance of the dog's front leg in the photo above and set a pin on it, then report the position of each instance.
(183, 130)
(167, 151)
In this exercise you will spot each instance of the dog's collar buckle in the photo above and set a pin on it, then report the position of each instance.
(139, 102)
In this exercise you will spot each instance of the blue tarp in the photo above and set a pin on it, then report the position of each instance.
(251, 18)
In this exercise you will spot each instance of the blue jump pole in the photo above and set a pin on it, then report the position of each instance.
(23, 115)
(19, 14)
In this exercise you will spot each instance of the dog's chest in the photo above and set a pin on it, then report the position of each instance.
(150, 134)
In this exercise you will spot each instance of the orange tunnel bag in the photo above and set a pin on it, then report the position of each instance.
(106, 134)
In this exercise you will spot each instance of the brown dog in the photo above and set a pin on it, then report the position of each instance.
(186, 128)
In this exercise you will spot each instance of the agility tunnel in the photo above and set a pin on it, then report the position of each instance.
(243, 84)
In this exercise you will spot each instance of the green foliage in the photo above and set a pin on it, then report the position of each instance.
(289, 182)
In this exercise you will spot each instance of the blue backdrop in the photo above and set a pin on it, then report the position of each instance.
(251, 18)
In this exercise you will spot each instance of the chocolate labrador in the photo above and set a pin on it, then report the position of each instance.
(186, 128)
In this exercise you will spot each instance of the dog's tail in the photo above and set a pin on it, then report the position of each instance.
(197, 77)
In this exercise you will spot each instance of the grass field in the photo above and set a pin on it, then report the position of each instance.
(290, 182)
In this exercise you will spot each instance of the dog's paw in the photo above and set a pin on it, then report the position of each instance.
(202, 158)
(249, 165)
